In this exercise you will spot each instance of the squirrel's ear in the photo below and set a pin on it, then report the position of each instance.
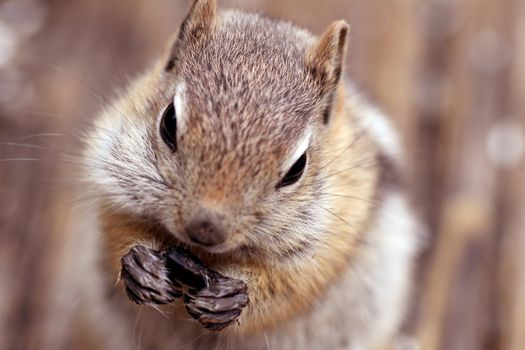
(197, 25)
(325, 59)
(325, 62)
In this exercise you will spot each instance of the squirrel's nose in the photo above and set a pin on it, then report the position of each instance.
(205, 230)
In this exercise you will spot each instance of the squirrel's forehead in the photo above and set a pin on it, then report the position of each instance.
(248, 77)
(246, 118)
(249, 91)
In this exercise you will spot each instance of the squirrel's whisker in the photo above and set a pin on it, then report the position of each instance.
(370, 161)
(339, 217)
(91, 89)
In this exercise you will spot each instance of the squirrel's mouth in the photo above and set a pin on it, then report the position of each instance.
(231, 249)
(228, 251)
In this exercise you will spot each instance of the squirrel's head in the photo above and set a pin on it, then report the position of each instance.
(222, 141)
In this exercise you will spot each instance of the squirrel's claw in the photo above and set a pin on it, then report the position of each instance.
(213, 321)
(218, 305)
(146, 277)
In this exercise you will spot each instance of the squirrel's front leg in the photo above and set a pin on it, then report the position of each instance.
(131, 251)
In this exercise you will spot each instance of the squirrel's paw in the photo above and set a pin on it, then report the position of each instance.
(219, 304)
(216, 301)
(146, 277)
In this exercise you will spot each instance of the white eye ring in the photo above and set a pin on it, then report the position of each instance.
(301, 148)
(179, 101)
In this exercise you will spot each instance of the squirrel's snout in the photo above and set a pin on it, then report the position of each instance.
(206, 229)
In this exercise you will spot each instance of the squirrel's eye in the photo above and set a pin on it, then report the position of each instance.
(295, 172)
(168, 127)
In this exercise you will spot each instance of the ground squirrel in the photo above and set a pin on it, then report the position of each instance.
(244, 144)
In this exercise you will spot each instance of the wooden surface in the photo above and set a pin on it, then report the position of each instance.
(451, 73)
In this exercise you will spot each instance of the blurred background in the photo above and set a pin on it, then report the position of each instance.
(451, 73)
